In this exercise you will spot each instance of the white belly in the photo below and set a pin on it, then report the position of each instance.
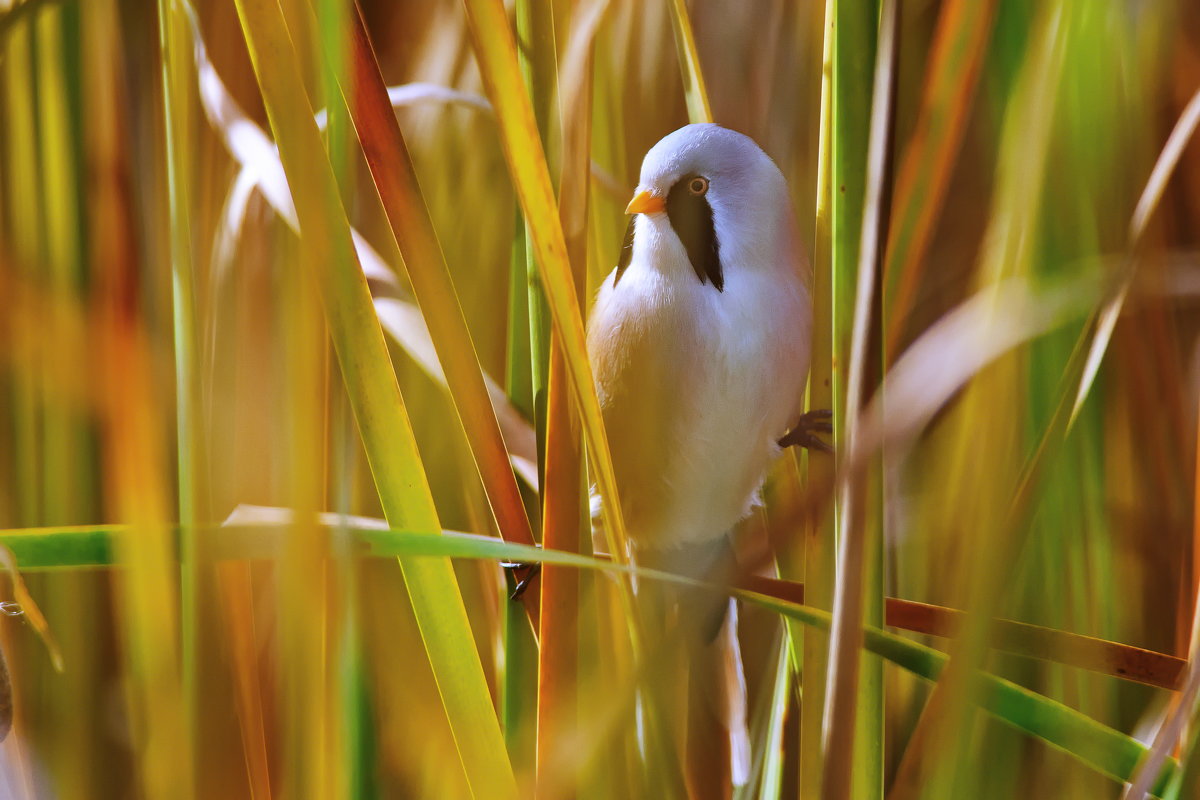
(696, 386)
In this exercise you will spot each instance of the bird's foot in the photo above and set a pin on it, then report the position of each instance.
(804, 434)
(523, 574)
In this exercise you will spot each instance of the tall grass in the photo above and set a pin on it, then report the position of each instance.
(219, 305)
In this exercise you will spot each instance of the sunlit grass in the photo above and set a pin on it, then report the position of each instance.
(214, 305)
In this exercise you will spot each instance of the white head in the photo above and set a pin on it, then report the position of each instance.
(711, 198)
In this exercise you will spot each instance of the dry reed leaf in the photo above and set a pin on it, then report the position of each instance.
(418, 92)
(1164, 167)
(956, 348)
(1117, 660)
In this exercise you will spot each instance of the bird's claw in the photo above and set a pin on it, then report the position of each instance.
(523, 574)
(804, 434)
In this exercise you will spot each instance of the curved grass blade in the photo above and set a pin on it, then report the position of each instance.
(418, 92)
(375, 399)
(1098, 746)
(255, 532)
(694, 89)
(957, 348)
(1106, 319)
(1102, 748)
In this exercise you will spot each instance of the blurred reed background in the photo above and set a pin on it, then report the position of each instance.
(171, 351)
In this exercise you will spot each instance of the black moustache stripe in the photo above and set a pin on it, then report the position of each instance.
(626, 250)
(692, 218)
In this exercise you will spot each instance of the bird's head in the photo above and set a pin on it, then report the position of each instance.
(713, 196)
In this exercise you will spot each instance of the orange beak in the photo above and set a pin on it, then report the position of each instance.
(646, 203)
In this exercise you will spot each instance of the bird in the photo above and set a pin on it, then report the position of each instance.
(699, 343)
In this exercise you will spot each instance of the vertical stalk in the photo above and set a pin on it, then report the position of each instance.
(518, 707)
(304, 582)
(518, 697)
(518, 378)
(63, 434)
(819, 540)
(536, 58)
(177, 82)
(854, 750)
(564, 506)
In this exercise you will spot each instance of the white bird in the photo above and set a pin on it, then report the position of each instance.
(699, 343)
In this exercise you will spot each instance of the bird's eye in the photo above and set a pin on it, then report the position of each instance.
(698, 186)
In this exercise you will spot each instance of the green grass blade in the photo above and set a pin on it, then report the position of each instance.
(1100, 747)
(90, 546)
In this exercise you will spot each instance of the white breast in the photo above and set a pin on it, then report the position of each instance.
(696, 386)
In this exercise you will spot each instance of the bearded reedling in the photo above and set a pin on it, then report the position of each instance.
(699, 342)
